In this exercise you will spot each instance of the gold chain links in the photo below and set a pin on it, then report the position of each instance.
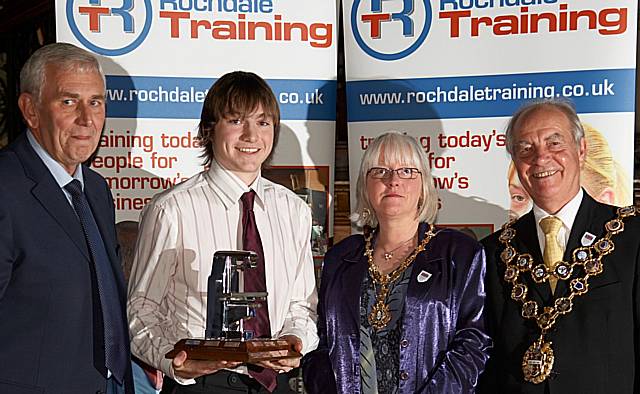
(538, 360)
(380, 314)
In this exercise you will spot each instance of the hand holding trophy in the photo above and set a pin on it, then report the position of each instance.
(227, 343)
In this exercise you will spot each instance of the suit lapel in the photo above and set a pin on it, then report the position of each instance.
(49, 195)
(528, 236)
(590, 218)
(425, 272)
(419, 288)
(527, 242)
(351, 280)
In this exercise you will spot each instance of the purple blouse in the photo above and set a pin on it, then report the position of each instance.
(444, 344)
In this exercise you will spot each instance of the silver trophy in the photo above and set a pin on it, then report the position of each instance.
(228, 306)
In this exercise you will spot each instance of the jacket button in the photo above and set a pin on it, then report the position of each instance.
(404, 375)
(404, 343)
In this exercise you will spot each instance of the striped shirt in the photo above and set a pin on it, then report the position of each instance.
(182, 228)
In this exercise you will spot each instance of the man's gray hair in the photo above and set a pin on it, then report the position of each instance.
(63, 56)
(562, 105)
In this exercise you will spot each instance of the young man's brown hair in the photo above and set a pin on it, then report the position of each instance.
(237, 93)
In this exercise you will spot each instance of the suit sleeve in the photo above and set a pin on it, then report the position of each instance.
(301, 316)
(467, 354)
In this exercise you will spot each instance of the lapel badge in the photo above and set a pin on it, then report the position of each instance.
(587, 239)
(423, 276)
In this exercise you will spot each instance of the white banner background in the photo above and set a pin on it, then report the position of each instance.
(160, 58)
(408, 83)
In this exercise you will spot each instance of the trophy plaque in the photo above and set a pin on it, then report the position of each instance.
(228, 305)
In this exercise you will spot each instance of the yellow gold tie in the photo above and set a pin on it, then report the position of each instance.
(552, 250)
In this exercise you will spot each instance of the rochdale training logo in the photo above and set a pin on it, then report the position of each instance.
(107, 29)
(390, 29)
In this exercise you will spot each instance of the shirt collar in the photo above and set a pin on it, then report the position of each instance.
(567, 213)
(231, 187)
(61, 175)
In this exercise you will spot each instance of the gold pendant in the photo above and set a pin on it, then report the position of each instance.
(537, 362)
(380, 315)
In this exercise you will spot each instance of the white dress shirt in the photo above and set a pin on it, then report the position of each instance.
(182, 228)
(567, 215)
(61, 175)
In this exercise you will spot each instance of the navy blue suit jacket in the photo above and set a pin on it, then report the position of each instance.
(51, 335)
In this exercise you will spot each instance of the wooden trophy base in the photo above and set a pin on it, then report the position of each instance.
(248, 351)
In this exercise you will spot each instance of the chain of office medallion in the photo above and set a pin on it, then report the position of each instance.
(380, 314)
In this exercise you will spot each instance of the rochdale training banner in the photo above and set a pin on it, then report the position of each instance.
(161, 57)
(451, 72)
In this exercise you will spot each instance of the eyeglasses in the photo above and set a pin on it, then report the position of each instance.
(385, 173)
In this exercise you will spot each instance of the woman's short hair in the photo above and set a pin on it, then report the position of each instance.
(530, 108)
(238, 93)
(395, 148)
(63, 56)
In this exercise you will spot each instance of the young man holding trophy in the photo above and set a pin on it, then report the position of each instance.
(229, 206)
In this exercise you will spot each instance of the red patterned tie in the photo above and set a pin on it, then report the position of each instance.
(254, 280)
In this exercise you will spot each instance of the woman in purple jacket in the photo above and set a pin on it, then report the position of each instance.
(401, 307)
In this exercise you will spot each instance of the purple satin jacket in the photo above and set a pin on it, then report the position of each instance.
(444, 344)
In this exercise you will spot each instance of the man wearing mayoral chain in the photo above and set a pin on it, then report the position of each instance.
(563, 282)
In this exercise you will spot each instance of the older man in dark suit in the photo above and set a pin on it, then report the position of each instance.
(62, 297)
(563, 282)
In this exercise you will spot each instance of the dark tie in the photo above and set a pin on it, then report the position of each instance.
(254, 280)
(116, 357)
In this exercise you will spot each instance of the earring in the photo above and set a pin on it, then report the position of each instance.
(365, 213)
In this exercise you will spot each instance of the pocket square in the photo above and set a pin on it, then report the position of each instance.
(423, 276)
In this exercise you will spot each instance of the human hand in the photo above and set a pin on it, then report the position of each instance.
(285, 364)
(191, 369)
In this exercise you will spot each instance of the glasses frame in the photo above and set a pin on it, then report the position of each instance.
(388, 172)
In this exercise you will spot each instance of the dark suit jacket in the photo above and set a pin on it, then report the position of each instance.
(51, 335)
(597, 345)
(444, 344)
